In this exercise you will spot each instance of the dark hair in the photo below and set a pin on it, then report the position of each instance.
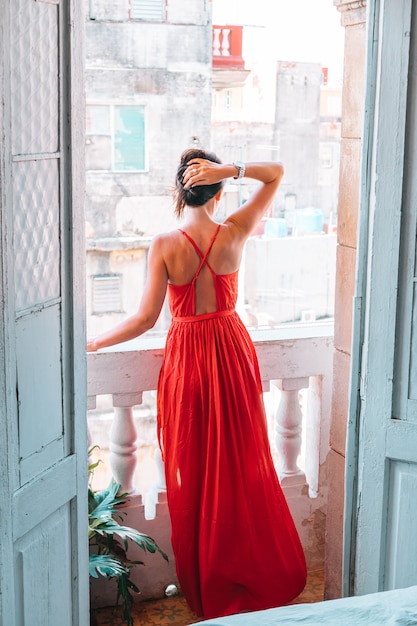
(200, 194)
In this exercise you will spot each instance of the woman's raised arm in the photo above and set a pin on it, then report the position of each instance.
(245, 218)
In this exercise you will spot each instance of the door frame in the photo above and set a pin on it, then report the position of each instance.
(373, 340)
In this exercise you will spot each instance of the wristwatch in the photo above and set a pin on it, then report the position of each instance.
(240, 169)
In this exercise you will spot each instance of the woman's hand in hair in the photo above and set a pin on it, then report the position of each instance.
(203, 172)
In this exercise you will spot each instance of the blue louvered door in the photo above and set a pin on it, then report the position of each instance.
(44, 553)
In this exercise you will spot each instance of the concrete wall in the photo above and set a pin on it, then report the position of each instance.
(353, 18)
(281, 279)
(286, 277)
(304, 133)
(166, 68)
(297, 127)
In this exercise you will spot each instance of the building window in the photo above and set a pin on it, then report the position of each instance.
(147, 10)
(115, 138)
(227, 99)
(107, 294)
(326, 156)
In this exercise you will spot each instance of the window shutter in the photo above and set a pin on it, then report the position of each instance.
(107, 297)
(149, 10)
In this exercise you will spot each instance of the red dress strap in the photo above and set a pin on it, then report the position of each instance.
(202, 256)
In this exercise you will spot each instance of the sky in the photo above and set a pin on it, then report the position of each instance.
(301, 30)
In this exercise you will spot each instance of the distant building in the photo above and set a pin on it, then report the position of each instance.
(160, 78)
(303, 131)
(148, 96)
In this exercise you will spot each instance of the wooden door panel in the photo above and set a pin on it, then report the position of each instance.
(43, 491)
(412, 394)
(384, 444)
(38, 499)
(45, 598)
(401, 440)
(39, 388)
(400, 568)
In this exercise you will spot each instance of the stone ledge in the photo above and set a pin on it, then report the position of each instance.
(353, 11)
(109, 244)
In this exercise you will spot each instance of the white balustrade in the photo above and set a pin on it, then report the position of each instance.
(291, 360)
(221, 41)
(288, 425)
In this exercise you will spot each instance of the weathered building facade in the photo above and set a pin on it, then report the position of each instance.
(148, 97)
(137, 81)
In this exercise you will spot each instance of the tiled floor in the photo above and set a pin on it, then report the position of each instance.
(175, 611)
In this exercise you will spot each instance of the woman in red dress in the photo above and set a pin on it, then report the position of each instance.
(235, 544)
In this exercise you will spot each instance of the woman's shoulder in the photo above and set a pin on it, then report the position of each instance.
(166, 236)
(234, 229)
(165, 243)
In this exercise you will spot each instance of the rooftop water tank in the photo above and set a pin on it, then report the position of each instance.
(308, 220)
(275, 227)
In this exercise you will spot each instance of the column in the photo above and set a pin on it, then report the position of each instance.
(353, 18)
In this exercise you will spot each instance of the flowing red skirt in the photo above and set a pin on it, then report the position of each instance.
(234, 540)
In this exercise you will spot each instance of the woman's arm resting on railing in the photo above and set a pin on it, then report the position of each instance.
(149, 308)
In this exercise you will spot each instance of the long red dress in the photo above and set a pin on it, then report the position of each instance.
(234, 540)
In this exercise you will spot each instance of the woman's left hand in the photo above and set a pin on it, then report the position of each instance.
(91, 345)
(202, 172)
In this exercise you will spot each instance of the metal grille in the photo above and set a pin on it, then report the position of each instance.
(149, 10)
(107, 294)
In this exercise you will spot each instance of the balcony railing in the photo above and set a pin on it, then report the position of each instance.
(227, 47)
(296, 369)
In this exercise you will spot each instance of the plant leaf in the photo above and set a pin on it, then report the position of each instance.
(109, 527)
(107, 538)
(103, 503)
(144, 542)
(124, 585)
(93, 466)
(105, 565)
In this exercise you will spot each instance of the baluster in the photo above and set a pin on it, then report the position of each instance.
(225, 43)
(216, 42)
(122, 446)
(288, 422)
(159, 486)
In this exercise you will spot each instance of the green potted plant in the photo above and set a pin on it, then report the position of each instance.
(109, 542)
